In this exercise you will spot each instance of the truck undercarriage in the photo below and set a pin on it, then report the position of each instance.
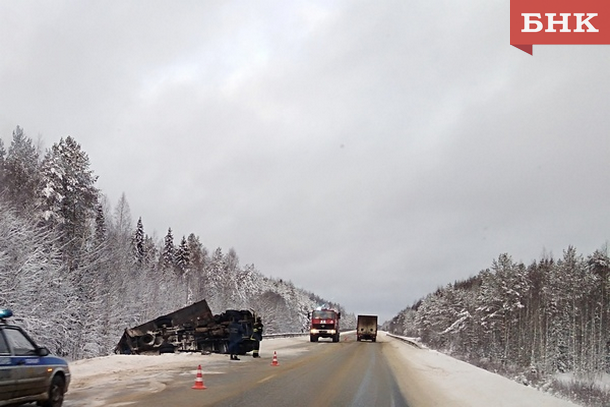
(190, 329)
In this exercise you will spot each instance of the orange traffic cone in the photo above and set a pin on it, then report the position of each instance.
(274, 362)
(199, 380)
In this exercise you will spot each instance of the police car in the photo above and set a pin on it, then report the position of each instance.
(28, 373)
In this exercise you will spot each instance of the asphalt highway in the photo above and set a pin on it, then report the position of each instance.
(348, 373)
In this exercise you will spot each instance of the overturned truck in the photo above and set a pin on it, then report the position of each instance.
(190, 329)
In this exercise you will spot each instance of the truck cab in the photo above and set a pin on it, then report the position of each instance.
(324, 324)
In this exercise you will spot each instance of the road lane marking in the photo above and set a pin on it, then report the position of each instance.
(266, 378)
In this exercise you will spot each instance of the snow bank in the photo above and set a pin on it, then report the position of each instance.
(450, 382)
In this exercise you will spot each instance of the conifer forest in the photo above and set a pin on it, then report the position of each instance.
(528, 322)
(77, 271)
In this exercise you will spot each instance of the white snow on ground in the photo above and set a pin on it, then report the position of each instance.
(95, 373)
(460, 384)
(599, 381)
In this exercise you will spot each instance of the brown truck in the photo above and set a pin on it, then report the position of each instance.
(366, 328)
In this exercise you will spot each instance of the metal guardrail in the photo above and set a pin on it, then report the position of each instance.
(405, 340)
(285, 335)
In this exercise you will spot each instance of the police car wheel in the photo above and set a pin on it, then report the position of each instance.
(56, 393)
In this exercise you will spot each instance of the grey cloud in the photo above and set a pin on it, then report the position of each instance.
(368, 152)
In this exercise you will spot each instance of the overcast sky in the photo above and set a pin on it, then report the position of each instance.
(367, 151)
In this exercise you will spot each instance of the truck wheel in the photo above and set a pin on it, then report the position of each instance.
(313, 338)
(336, 338)
(56, 392)
(167, 348)
(374, 339)
(358, 339)
(147, 340)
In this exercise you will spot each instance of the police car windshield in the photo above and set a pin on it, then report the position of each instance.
(323, 315)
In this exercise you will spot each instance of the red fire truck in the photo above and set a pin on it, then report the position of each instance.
(324, 324)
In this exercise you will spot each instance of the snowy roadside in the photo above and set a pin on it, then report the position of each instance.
(96, 372)
(596, 386)
(465, 385)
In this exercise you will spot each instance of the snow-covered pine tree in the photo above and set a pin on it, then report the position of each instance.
(599, 265)
(574, 286)
(198, 258)
(21, 172)
(182, 257)
(214, 280)
(101, 230)
(68, 197)
(137, 243)
(182, 270)
(2, 165)
(234, 281)
(172, 292)
(168, 253)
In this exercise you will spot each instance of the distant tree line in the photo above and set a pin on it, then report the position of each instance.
(77, 272)
(551, 316)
